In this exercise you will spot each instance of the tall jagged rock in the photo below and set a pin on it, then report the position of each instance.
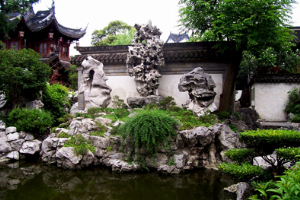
(201, 91)
(145, 57)
(96, 91)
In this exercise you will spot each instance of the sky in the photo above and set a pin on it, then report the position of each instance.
(96, 14)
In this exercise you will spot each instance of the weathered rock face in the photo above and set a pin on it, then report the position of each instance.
(15, 145)
(36, 104)
(96, 91)
(201, 91)
(145, 57)
(138, 102)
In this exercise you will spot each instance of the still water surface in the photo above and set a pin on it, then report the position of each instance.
(30, 181)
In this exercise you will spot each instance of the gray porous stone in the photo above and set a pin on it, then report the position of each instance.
(166, 169)
(118, 165)
(200, 87)
(31, 147)
(144, 60)
(59, 130)
(87, 159)
(180, 160)
(29, 137)
(66, 158)
(158, 160)
(99, 142)
(243, 191)
(93, 86)
(80, 126)
(103, 121)
(16, 144)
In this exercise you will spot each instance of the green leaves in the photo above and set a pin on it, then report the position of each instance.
(147, 129)
(116, 33)
(22, 74)
(242, 172)
(247, 22)
(34, 121)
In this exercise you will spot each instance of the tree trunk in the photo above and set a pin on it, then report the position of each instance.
(228, 88)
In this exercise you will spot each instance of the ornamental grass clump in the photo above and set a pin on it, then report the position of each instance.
(80, 145)
(146, 130)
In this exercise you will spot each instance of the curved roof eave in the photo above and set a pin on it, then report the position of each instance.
(72, 33)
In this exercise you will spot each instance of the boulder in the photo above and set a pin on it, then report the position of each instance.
(166, 169)
(99, 142)
(4, 146)
(14, 155)
(31, 147)
(59, 130)
(10, 129)
(180, 160)
(243, 191)
(87, 159)
(103, 121)
(81, 125)
(12, 136)
(66, 158)
(16, 144)
(158, 160)
(118, 165)
(29, 137)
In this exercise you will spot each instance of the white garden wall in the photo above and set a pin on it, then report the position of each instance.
(269, 99)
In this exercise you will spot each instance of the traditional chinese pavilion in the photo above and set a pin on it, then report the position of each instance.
(42, 32)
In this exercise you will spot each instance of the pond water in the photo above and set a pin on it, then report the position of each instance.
(32, 181)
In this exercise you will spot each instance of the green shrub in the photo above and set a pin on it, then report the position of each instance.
(167, 103)
(121, 112)
(117, 102)
(33, 121)
(115, 130)
(101, 129)
(79, 144)
(293, 103)
(296, 118)
(73, 77)
(63, 135)
(66, 118)
(233, 127)
(242, 172)
(269, 140)
(289, 154)
(240, 155)
(188, 120)
(223, 115)
(55, 97)
(147, 129)
(108, 149)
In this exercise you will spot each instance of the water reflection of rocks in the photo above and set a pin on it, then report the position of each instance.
(100, 183)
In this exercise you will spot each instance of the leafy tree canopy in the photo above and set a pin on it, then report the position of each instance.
(11, 6)
(115, 33)
(251, 24)
(22, 74)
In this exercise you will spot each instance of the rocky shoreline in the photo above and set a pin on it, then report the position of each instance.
(190, 149)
